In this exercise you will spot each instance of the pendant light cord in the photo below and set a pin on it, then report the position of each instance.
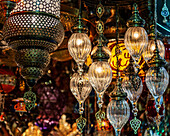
(80, 16)
(117, 51)
(155, 23)
(80, 9)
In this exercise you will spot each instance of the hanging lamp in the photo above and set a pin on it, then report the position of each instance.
(157, 78)
(100, 72)
(148, 52)
(118, 111)
(34, 30)
(81, 88)
(132, 85)
(79, 46)
(136, 38)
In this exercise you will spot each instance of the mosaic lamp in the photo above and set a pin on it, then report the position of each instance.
(34, 30)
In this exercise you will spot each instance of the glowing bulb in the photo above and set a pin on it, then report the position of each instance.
(79, 41)
(99, 69)
(136, 35)
(153, 47)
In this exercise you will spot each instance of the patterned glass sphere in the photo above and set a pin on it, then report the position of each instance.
(118, 113)
(100, 76)
(157, 80)
(149, 51)
(79, 46)
(136, 40)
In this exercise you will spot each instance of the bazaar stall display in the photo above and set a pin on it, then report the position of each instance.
(84, 67)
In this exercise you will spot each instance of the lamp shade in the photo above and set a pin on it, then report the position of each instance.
(118, 113)
(80, 86)
(133, 86)
(34, 28)
(136, 40)
(149, 51)
(100, 76)
(79, 46)
(157, 80)
(34, 23)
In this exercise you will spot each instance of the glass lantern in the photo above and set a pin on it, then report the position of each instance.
(100, 77)
(80, 88)
(149, 51)
(79, 46)
(157, 80)
(118, 113)
(100, 74)
(132, 85)
(136, 38)
(34, 30)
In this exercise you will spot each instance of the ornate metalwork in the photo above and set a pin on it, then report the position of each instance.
(156, 60)
(135, 124)
(32, 58)
(157, 120)
(100, 10)
(80, 27)
(152, 32)
(100, 52)
(38, 31)
(34, 30)
(165, 12)
(118, 94)
(31, 74)
(135, 19)
(100, 116)
(29, 99)
(100, 27)
(132, 72)
(81, 123)
(47, 6)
